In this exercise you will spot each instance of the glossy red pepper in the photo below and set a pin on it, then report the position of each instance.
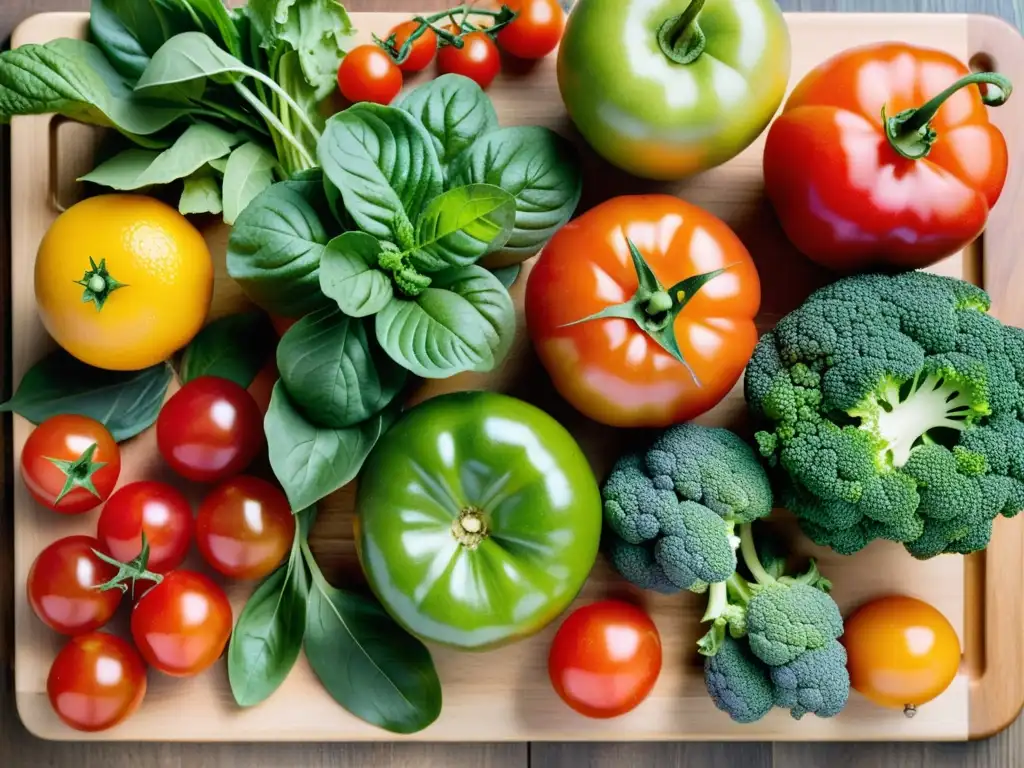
(884, 157)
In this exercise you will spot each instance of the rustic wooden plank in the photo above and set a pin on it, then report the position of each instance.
(644, 756)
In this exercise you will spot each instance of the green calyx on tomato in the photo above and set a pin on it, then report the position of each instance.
(98, 284)
(78, 473)
(130, 572)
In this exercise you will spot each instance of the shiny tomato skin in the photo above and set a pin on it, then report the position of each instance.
(901, 651)
(609, 369)
(368, 74)
(245, 528)
(478, 59)
(62, 586)
(96, 681)
(182, 624)
(536, 31)
(209, 430)
(423, 49)
(66, 438)
(158, 509)
(605, 659)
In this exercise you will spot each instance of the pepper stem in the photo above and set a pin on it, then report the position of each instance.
(681, 38)
(910, 132)
(470, 528)
(98, 283)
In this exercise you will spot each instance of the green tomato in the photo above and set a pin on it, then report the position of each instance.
(668, 88)
(478, 519)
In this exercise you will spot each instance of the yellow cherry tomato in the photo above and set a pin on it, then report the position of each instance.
(123, 281)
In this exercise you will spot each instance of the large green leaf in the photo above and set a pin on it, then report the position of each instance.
(201, 193)
(249, 171)
(234, 347)
(349, 274)
(130, 31)
(459, 227)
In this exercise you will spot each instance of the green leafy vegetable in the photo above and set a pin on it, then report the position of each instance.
(130, 31)
(454, 110)
(507, 275)
(249, 171)
(461, 225)
(349, 275)
(201, 193)
(234, 347)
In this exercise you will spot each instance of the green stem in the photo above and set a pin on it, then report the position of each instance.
(718, 599)
(739, 589)
(749, 552)
(658, 303)
(287, 99)
(681, 38)
(224, 112)
(274, 122)
(131, 571)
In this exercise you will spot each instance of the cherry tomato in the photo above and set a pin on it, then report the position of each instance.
(536, 31)
(70, 463)
(478, 59)
(368, 74)
(605, 659)
(282, 324)
(181, 625)
(422, 50)
(97, 681)
(62, 586)
(158, 509)
(902, 652)
(209, 430)
(245, 528)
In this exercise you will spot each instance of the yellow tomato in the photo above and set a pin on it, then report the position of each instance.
(123, 281)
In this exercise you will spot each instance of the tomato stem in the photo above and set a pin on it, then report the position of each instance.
(129, 572)
(98, 283)
(470, 528)
(502, 18)
(78, 473)
(910, 132)
(681, 38)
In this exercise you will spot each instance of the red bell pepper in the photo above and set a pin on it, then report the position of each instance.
(884, 158)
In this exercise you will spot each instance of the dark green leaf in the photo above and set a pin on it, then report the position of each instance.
(250, 170)
(508, 275)
(234, 347)
(460, 226)
(130, 31)
(349, 275)
(215, 21)
(454, 110)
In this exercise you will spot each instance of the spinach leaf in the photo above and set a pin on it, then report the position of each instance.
(349, 275)
(461, 225)
(539, 167)
(275, 247)
(454, 110)
(465, 321)
(126, 403)
(366, 661)
(249, 171)
(289, 76)
(130, 31)
(334, 373)
(384, 164)
(201, 193)
(312, 462)
(234, 347)
(214, 19)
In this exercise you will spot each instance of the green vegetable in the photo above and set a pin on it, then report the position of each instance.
(234, 347)
(350, 274)
(738, 682)
(891, 407)
(201, 193)
(250, 170)
(461, 225)
(786, 620)
(814, 683)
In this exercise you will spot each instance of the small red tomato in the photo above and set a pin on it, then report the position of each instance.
(209, 430)
(282, 324)
(421, 51)
(158, 509)
(536, 30)
(245, 528)
(70, 463)
(605, 659)
(62, 586)
(478, 59)
(97, 681)
(181, 625)
(368, 74)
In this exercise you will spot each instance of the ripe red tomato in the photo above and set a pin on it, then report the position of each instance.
(245, 528)
(70, 463)
(536, 31)
(181, 625)
(605, 659)
(422, 50)
(209, 430)
(62, 586)
(478, 59)
(368, 74)
(158, 509)
(97, 681)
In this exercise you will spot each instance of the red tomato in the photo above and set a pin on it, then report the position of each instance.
(422, 50)
(478, 59)
(536, 31)
(158, 509)
(209, 430)
(605, 659)
(282, 324)
(70, 463)
(181, 625)
(97, 681)
(62, 586)
(368, 74)
(611, 369)
(245, 528)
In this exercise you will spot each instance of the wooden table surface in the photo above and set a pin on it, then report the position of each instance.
(18, 749)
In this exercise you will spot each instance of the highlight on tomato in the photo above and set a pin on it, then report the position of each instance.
(154, 509)
(535, 31)
(474, 55)
(369, 74)
(64, 586)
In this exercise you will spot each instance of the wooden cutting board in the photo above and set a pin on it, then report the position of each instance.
(505, 694)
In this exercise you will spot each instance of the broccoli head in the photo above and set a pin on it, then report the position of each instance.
(785, 620)
(816, 682)
(738, 683)
(893, 407)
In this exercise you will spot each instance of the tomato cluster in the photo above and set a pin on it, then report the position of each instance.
(523, 29)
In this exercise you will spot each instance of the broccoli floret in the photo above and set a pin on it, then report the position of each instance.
(785, 620)
(893, 407)
(816, 682)
(738, 683)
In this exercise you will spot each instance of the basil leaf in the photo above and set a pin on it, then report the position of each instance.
(312, 462)
(384, 164)
(454, 110)
(234, 347)
(539, 167)
(126, 403)
(249, 171)
(366, 661)
(349, 275)
(130, 31)
(334, 373)
(507, 275)
(275, 247)
(215, 20)
(465, 321)
(463, 224)
(201, 193)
